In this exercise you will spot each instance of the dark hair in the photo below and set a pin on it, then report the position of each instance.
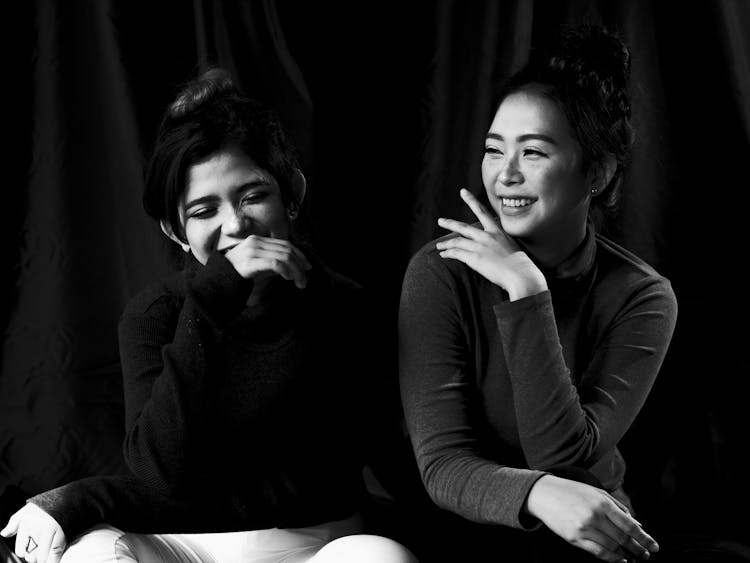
(585, 71)
(210, 114)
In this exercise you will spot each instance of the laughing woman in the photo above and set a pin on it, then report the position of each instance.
(528, 342)
(246, 383)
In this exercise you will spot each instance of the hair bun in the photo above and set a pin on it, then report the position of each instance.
(590, 58)
(211, 84)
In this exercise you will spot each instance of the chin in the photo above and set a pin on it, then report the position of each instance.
(515, 229)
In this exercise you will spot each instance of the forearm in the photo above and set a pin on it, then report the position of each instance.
(171, 377)
(564, 425)
(127, 503)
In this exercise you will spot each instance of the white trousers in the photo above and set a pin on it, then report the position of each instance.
(106, 544)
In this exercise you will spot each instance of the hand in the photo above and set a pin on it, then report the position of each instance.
(39, 538)
(258, 256)
(590, 519)
(491, 253)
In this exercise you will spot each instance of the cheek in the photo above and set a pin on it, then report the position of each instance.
(196, 235)
(487, 173)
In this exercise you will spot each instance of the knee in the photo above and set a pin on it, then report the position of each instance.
(101, 544)
(364, 548)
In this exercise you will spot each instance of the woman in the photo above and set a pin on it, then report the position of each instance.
(528, 343)
(244, 379)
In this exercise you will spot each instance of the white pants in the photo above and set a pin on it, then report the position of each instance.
(291, 545)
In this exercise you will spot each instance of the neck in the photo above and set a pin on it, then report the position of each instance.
(551, 251)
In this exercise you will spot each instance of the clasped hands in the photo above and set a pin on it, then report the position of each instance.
(491, 252)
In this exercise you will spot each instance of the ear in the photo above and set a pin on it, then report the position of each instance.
(166, 228)
(299, 186)
(603, 173)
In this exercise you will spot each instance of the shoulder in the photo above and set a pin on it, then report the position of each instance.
(162, 299)
(624, 273)
(427, 266)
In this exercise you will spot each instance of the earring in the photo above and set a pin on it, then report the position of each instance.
(594, 191)
(292, 212)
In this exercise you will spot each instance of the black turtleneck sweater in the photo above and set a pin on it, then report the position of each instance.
(239, 417)
(496, 392)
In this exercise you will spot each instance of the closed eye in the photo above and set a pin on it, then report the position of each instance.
(254, 197)
(533, 153)
(202, 213)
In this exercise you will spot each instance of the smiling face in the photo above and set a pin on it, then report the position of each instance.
(228, 198)
(533, 174)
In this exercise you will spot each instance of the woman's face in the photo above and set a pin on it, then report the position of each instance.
(532, 173)
(228, 198)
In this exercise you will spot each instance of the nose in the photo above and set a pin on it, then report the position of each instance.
(509, 173)
(236, 224)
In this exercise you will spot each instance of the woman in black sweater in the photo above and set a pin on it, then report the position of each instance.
(247, 377)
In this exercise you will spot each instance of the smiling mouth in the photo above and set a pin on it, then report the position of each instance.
(516, 201)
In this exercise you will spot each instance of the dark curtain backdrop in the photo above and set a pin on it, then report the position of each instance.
(388, 105)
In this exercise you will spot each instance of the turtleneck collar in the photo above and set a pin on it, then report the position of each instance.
(580, 261)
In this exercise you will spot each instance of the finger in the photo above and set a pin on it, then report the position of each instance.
(287, 270)
(45, 543)
(258, 257)
(290, 255)
(462, 228)
(11, 527)
(281, 245)
(487, 219)
(629, 545)
(458, 242)
(458, 254)
(600, 551)
(26, 547)
(57, 548)
(621, 506)
(631, 527)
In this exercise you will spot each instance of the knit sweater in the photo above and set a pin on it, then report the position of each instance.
(238, 417)
(496, 393)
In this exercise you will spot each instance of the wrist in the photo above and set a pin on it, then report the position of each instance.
(526, 287)
(534, 500)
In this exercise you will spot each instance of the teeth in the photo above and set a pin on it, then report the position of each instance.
(515, 202)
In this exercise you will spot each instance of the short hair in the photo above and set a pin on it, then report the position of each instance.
(210, 114)
(585, 70)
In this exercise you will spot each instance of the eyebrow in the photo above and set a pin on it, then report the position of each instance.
(258, 183)
(526, 137)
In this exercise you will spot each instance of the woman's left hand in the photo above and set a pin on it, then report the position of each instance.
(491, 253)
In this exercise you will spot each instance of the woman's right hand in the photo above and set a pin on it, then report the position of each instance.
(258, 256)
(39, 538)
(589, 518)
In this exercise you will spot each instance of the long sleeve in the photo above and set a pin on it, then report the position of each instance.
(127, 503)
(559, 424)
(442, 404)
(169, 384)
